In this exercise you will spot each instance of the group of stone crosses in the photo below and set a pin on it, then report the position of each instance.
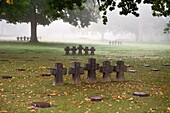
(23, 38)
(76, 70)
(80, 49)
(115, 42)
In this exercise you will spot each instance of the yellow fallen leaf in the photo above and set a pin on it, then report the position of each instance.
(3, 111)
(65, 93)
(52, 94)
(168, 109)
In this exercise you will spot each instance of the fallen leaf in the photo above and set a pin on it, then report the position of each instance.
(168, 109)
(3, 111)
(65, 93)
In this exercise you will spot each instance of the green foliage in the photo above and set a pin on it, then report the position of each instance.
(159, 7)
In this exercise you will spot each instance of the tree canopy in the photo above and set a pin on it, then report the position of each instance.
(44, 12)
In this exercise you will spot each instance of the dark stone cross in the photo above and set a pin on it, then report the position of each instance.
(106, 69)
(20, 38)
(80, 48)
(74, 49)
(76, 71)
(91, 67)
(67, 49)
(58, 71)
(120, 69)
(24, 38)
(92, 49)
(28, 38)
(86, 49)
(17, 38)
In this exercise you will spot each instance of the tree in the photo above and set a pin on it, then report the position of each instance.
(38, 12)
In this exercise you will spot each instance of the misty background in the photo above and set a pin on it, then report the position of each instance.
(144, 28)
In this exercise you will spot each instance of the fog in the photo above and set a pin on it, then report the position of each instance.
(145, 28)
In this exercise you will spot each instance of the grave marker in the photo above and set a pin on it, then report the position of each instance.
(91, 67)
(76, 71)
(74, 49)
(40, 105)
(86, 50)
(92, 50)
(80, 48)
(106, 69)
(120, 69)
(58, 71)
(67, 49)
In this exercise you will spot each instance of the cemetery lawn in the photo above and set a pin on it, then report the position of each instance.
(28, 86)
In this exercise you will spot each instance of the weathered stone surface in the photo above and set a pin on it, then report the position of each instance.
(45, 74)
(167, 64)
(40, 104)
(120, 69)
(155, 69)
(58, 71)
(76, 71)
(91, 67)
(20, 69)
(67, 49)
(95, 98)
(86, 50)
(92, 49)
(74, 49)
(80, 48)
(141, 94)
(6, 77)
(132, 71)
(106, 69)
(146, 65)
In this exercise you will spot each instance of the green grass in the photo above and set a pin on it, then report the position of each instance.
(28, 86)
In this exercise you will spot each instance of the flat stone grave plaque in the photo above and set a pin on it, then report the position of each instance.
(45, 74)
(20, 69)
(35, 57)
(167, 64)
(146, 65)
(132, 71)
(141, 94)
(21, 52)
(95, 98)
(6, 77)
(155, 69)
(40, 105)
(2, 52)
(4, 60)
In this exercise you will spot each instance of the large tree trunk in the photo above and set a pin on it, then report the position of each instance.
(33, 26)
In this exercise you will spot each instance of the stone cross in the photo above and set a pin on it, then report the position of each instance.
(20, 38)
(28, 38)
(76, 71)
(120, 69)
(74, 49)
(80, 48)
(67, 49)
(58, 71)
(17, 38)
(24, 38)
(91, 67)
(86, 49)
(92, 50)
(106, 69)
